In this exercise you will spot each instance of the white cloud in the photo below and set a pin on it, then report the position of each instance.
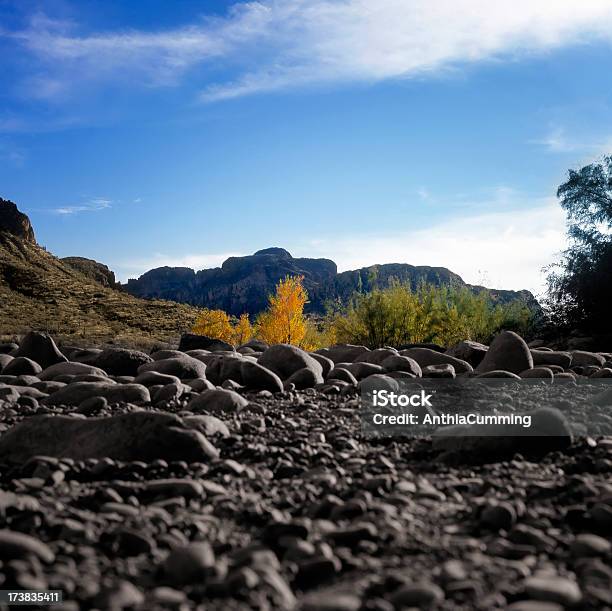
(277, 44)
(502, 249)
(91, 205)
(137, 267)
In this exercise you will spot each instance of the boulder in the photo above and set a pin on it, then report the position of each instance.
(343, 353)
(469, 351)
(5, 359)
(427, 356)
(207, 425)
(153, 378)
(41, 348)
(396, 362)
(77, 392)
(581, 357)
(507, 352)
(191, 341)
(340, 373)
(325, 362)
(22, 365)
(304, 378)
(70, 369)
(121, 361)
(219, 400)
(184, 367)
(363, 370)
(551, 357)
(549, 431)
(444, 370)
(257, 377)
(375, 356)
(284, 360)
(223, 367)
(140, 435)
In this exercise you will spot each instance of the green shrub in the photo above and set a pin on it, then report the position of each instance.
(444, 315)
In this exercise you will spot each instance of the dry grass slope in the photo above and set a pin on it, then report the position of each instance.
(38, 291)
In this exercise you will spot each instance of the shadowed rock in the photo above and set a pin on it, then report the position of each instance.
(41, 348)
(134, 436)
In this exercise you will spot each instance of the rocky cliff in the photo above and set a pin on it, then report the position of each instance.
(15, 223)
(242, 284)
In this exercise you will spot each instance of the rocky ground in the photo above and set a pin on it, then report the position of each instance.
(213, 479)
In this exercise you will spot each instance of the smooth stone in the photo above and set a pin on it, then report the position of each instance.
(22, 365)
(18, 545)
(134, 436)
(304, 378)
(189, 564)
(396, 362)
(553, 589)
(77, 392)
(257, 377)
(284, 360)
(41, 348)
(184, 367)
(219, 400)
(70, 369)
(507, 352)
(427, 356)
(122, 361)
(469, 351)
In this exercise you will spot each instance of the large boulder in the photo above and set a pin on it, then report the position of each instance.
(583, 358)
(426, 356)
(223, 367)
(22, 365)
(41, 348)
(507, 352)
(257, 377)
(219, 400)
(121, 361)
(70, 369)
(139, 435)
(77, 392)
(469, 351)
(284, 360)
(343, 353)
(549, 431)
(551, 357)
(375, 356)
(396, 362)
(191, 341)
(304, 378)
(184, 367)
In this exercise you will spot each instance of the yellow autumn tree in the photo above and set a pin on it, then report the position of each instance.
(284, 322)
(243, 330)
(215, 324)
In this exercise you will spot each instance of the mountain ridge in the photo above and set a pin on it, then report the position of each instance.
(242, 284)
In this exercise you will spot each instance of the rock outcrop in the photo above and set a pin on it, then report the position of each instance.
(14, 222)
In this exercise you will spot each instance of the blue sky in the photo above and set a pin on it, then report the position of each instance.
(427, 132)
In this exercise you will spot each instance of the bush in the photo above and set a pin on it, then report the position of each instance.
(444, 315)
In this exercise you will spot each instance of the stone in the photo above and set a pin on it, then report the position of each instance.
(41, 348)
(343, 353)
(445, 370)
(5, 359)
(604, 372)
(191, 341)
(376, 356)
(549, 431)
(550, 357)
(22, 365)
(326, 363)
(18, 545)
(76, 392)
(218, 401)
(540, 373)
(583, 358)
(427, 356)
(363, 370)
(420, 595)
(507, 352)
(189, 564)
(184, 367)
(70, 369)
(304, 378)
(396, 362)
(132, 436)
(121, 361)
(553, 589)
(120, 595)
(378, 382)
(497, 374)
(340, 373)
(257, 377)
(498, 516)
(588, 545)
(220, 368)
(208, 425)
(469, 351)
(284, 360)
(330, 600)
(153, 378)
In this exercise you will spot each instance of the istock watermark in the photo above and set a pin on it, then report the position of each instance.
(480, 407)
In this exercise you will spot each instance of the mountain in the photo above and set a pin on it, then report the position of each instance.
(66, 297)
(242, 284)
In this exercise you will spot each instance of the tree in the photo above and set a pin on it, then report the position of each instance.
(580, 285)
(215, 324)
(284, 322)
(243, 331)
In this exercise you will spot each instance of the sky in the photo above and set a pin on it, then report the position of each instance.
(430, 132)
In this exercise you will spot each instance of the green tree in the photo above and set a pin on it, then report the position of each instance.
(580, 285)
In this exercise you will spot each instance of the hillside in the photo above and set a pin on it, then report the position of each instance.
(40, 291)
(242, 284)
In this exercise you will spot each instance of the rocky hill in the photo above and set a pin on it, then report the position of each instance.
(93, 270)
(38, 290)
(242, 284)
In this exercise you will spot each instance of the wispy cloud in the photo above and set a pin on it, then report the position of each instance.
(270, 45)
(92, 205)
(507, 248)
